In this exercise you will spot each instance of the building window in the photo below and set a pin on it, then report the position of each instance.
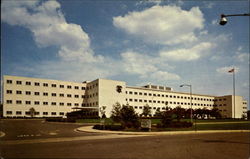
(69, 95)
(76, 104)
(9, 81)
(37, 93)
(135, 93)
(145, 101)
(18, 102)
(9, 91)
(83, 88)
(45, 103)
(37, 113)
(136, 100)
(53, 103)
(19, 82)
(130, 100)
(45, 113)
(68, 104)
(45, 84)
(130, 92)
(53, 113)
(27, 113)
(37, 84)
(150, 94)
(61, 95)
(61, 104)
(53, 85)
(61, 86)
(9, 101)
(28, 102)
(53, 94)
(18, 92)
(45, 93)
(9, 112)
(28, 83)
(18, 113)
(69, 87)
(76, 96)
(76, 87)
(36, 102)
(61, 113)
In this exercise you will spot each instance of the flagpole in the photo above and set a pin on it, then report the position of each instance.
(234, 89)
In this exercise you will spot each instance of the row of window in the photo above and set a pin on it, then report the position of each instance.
(36, 113)
(162, 108)
(28, 83)
(141, 107)
(19, 113)
(168, 96)
(52, 94)
(52, 103)
(167, 102)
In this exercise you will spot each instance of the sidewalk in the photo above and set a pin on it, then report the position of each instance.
(91, 130)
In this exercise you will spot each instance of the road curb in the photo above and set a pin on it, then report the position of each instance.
(90, 129)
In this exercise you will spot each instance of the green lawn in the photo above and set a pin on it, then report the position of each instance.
(223, 124)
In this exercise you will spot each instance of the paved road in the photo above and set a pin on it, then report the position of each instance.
(20, 129)
(82, 145)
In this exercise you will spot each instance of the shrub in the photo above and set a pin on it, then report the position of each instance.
(108, 127)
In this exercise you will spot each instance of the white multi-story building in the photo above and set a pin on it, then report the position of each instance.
(53, 98)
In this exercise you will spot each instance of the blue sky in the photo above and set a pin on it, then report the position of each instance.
(161, 42)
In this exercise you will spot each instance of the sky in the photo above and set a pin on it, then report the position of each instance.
(140, 42)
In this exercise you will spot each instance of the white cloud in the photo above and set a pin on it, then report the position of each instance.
(49, 27)
(162, 24)
(147, 67)
(189, 54)
(224, 70)
(241, 56)
(137, 63)
(215, 22)
(164, 76)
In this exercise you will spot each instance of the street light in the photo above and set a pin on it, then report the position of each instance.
(223, 19)
(190, 86)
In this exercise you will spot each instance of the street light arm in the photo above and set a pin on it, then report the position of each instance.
(230, 15)
(223, 19)
(189, 85)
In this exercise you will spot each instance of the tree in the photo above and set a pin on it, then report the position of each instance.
(215, 113)
(158, 113)
(128, 117)
(146, 110)
(179, 112)
(116, 112)
(32, 112)
(102, 110)
(248, 114)
(167, 117)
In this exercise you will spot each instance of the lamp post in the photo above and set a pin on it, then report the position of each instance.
(223, 19)
(190, 86)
